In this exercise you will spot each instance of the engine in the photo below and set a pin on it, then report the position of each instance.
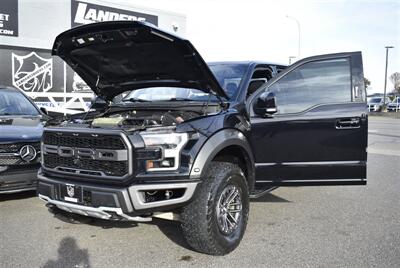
(133, 120)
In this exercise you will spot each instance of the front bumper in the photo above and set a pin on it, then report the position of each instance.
(393, 108)
(107, 202)
(105, 213)
(18, 181)
(372, 108)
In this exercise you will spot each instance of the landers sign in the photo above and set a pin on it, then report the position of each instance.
(84, 12)
(9, 17)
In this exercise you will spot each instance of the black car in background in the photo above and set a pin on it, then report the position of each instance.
(21, 127)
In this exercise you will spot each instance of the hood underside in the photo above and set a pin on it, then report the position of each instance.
(114, 57)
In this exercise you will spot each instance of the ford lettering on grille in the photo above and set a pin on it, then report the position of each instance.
(96, 154)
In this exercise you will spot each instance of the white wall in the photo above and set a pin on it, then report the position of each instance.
(40, 21)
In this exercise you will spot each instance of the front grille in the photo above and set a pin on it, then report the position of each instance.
(78, 165)
(110, 168)
(16, 160)
(10, 160)
(83, 140)
(16, 147)
(17, 169)
(9, 153)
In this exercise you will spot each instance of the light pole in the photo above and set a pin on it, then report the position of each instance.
(298, 28)
(290, 59)
(384, 89)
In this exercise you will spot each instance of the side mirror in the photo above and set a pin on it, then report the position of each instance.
(265, 104)
(44, 110)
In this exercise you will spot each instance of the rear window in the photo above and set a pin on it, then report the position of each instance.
(229, 76)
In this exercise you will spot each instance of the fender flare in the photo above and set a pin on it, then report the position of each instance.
(216, 143)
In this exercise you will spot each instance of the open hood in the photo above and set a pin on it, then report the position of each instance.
(113, 57)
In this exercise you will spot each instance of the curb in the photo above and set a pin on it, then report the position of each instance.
(388, 114)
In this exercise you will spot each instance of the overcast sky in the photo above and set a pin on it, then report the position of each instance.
(259, 30)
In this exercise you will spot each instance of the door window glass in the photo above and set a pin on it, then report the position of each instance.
(314, 83)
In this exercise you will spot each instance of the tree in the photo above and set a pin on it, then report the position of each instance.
(395, 79)
(367, 83)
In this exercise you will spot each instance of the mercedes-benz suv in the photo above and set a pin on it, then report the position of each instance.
(21, 126)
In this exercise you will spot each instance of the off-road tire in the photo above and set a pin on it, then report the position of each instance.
(199, 218)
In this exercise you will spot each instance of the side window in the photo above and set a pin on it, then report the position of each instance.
(314, 83)
(259, 78)
(279, 69)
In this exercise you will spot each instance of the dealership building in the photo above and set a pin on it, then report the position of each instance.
(28, 29)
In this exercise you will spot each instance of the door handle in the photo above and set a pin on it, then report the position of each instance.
(348, 123)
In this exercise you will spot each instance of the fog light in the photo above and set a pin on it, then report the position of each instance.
(3, 168)
(162, 195)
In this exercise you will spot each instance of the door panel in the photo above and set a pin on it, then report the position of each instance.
(314, 141)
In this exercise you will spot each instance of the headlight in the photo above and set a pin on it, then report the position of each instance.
(165, 140)
(3, 168)
(171, 145)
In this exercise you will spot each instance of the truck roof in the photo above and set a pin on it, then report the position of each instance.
(247, 62)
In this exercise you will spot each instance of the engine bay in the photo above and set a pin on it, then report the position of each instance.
(142, 119)
(129, 120)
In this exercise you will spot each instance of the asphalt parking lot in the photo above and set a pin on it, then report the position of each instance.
(349, 226)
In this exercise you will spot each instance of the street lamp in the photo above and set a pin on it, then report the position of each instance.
(384, 90)
(290, 59)
(298, 28)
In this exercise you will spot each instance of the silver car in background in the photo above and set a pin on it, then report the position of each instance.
(375, 104)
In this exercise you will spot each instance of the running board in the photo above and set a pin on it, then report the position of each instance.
(261, 192)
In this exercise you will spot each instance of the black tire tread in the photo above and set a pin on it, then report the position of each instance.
(199, 234)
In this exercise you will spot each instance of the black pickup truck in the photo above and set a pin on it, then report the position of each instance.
(175, 134)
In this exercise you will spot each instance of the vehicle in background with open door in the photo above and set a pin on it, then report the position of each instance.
(394, 105)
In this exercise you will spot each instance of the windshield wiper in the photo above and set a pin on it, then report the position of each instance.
(135, 100)
(180, 99)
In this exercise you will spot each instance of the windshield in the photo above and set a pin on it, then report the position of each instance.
(15, 103)
(229, 76)
(167, 94)
(375, 100)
